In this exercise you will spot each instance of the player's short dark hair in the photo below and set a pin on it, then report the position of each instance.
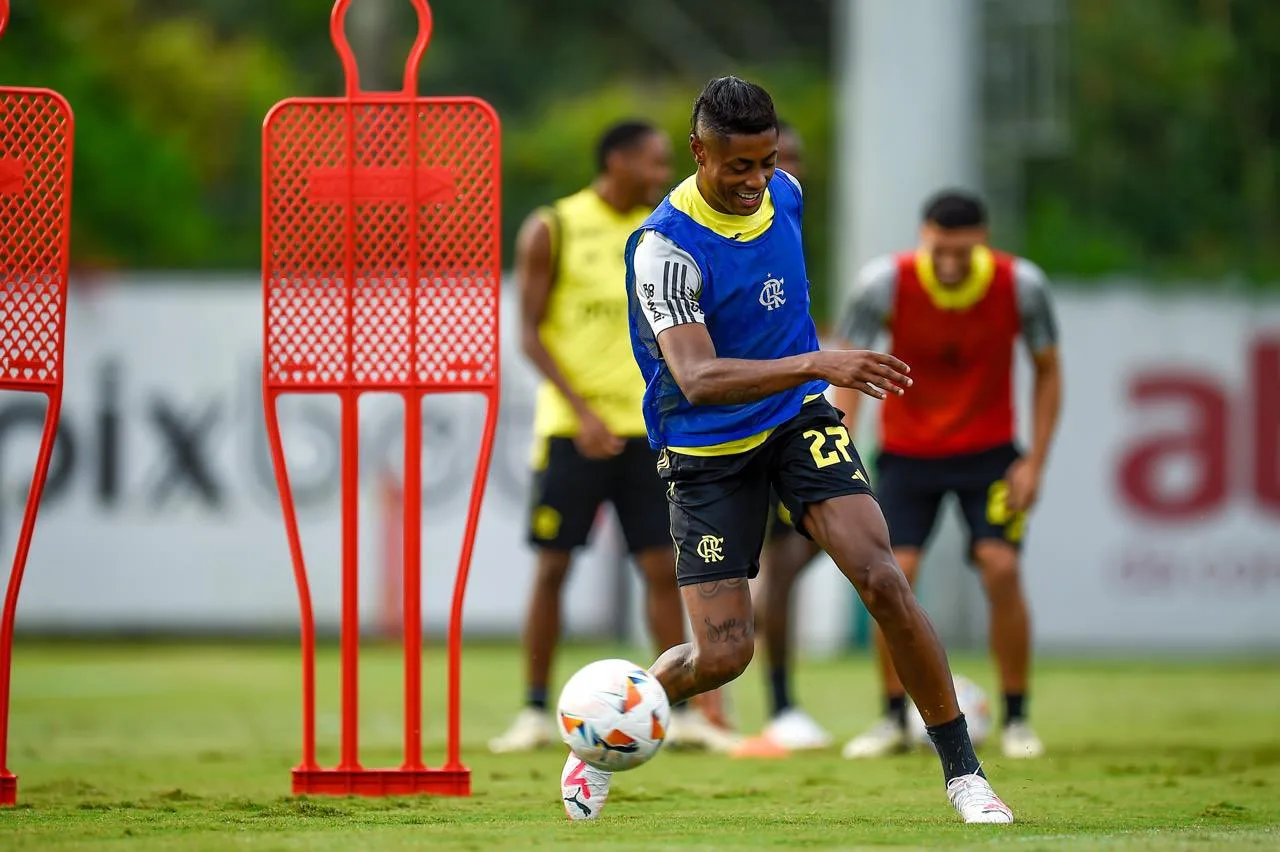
(622, 136)
(730, 106)
(955, 208)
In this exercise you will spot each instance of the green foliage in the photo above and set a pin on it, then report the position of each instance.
(1173, 171)
(167, 124)
(170, 96)
(1175, 168)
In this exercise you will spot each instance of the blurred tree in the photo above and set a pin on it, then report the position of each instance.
(1174, 167)
(172, 93)
(167, 119)
(519, 55)
(1175, 163)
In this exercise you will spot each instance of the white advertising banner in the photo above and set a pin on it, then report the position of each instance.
(1159, 525)
(1160, 520)
(161, 510)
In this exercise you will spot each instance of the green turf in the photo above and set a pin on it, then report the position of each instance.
(189, 747)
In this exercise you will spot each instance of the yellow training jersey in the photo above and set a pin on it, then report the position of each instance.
(585, 327)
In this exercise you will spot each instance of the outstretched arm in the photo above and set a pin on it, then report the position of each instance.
(707, 379)
(669, 286)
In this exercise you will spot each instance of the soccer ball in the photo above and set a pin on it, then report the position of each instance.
(973, 704)
(613, 714)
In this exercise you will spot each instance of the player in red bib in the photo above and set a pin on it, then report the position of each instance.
(954, 309)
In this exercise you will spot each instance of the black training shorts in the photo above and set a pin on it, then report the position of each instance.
(720, 504)
(569, 488)
(910, 490)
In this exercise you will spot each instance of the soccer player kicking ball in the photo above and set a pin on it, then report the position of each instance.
(720, 328)
(955, 309)
(590, 445)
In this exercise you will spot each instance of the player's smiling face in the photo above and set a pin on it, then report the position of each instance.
(734, 170)
(951, 250)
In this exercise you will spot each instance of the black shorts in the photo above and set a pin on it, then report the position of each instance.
(569, 488)
(720, 504)
(911, 489)
(780, 525)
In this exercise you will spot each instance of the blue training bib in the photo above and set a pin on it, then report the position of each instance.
(755, 299)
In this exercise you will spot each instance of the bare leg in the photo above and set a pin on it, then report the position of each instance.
(783, 559)
(1010, 622)
(723, 640)
(663, 606)
(908, 559)
(665, 611)
(781, 562)
(542, 624)
(852, 530)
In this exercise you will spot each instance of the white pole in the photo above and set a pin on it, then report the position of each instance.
(910, 124)
(910, 117)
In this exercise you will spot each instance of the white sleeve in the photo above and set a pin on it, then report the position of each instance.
(668, 283)
(1035, 307)
(866, 314)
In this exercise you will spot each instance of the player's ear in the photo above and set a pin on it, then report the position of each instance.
(698, 148)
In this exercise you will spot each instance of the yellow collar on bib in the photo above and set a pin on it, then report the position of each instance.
(968, 292)
(688, 200)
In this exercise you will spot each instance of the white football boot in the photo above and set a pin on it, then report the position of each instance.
(690, 729)
(886, 737)
(973, 797)
(532, 729)
(1018, 741)
(796, 730)
(583, 788)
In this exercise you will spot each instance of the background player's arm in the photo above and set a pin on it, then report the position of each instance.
(864, 320)
(668, 284)
(1040, 333)
(536, 276)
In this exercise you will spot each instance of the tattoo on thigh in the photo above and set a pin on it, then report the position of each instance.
(715, 587)
(729, 630)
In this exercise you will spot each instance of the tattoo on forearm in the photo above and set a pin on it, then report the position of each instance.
(729, 630)
(715, 587)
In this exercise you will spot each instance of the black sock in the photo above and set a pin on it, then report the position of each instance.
(1015, 707)
(955, 749)
(778, 677)
(537, 697)
(895, 708)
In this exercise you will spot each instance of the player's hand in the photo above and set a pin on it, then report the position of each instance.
(1024, 485)
(874, 373)
(594, 440)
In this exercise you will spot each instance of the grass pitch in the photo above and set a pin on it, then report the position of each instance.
(188, 747)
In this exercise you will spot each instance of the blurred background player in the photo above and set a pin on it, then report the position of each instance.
(589, 432)
(954, 309)
(784, 556)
